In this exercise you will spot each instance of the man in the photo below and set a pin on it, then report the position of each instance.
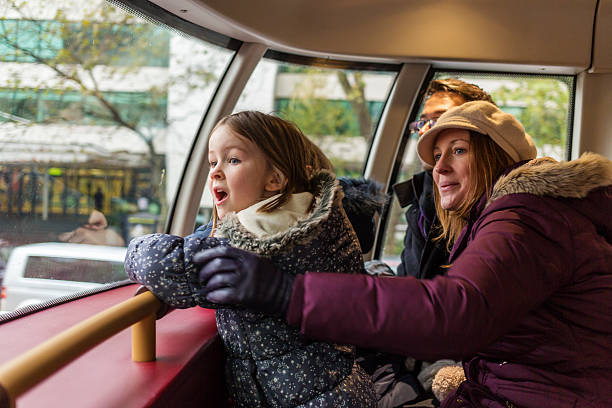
(422, 256)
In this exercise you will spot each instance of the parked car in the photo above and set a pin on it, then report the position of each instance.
(39, 272)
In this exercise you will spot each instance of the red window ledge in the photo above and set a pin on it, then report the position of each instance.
(188, 371)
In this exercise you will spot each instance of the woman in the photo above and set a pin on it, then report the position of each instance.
(527, 298)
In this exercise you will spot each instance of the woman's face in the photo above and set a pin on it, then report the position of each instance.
(451, 172)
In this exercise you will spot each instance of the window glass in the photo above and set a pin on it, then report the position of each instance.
(543, 104)
(98, 110)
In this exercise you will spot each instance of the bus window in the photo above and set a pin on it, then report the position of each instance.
(98, 109)
(543, 104)
(338, 109)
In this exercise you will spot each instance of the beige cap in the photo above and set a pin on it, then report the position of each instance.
(482, 117)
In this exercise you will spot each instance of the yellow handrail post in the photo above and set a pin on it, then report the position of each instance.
(28, 369)
(143, 339)
(6, 401)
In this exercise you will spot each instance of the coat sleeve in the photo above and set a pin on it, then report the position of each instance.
(511, 266)
(163, 263)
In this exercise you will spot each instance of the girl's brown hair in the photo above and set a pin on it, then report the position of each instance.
(285, 146)
(487, 161)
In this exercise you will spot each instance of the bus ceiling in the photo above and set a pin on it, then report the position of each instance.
(548, 36)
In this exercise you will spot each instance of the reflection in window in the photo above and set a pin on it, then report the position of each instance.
(541, 103)
(98, 110)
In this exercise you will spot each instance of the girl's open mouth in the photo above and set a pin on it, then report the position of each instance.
(220, 195)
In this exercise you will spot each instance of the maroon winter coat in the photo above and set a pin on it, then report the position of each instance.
(526, 304)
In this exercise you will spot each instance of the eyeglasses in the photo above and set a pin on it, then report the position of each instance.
(420, 124)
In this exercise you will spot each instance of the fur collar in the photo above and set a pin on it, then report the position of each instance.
(326, 192)
(548, 177)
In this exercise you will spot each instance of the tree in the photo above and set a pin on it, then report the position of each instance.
(355, 94)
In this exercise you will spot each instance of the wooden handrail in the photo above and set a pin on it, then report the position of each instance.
(25, 371)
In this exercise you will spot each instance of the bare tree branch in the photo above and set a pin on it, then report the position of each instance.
(355, 94)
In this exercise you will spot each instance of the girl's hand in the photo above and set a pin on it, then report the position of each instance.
(231, 276)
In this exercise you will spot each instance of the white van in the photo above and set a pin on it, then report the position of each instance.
(39, 272)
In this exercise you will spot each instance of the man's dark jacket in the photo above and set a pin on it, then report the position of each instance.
(422, 256)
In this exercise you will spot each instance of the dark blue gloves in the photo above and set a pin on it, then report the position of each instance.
(231, 276)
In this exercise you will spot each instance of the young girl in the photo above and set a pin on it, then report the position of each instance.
(273, 196)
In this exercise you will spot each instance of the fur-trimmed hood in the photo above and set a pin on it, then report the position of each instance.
(548, 177)
(573, 180)
(326, 194)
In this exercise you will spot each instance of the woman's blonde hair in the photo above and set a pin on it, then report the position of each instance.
(284, 145)
(487, 161)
